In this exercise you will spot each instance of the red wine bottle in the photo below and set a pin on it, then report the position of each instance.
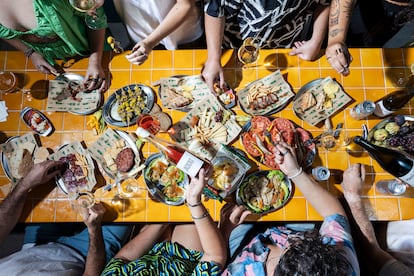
(392, 102)
(185, 160)
(395, 162)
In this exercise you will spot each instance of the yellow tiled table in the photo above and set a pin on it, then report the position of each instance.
(370, 78)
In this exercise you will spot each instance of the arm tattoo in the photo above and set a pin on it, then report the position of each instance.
(348, 7)
(334, 13)
(335, 32)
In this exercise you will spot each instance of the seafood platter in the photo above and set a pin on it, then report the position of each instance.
(260, 135)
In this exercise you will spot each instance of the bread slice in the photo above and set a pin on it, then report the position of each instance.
(41, 154)
(307, 101)
(21, 162)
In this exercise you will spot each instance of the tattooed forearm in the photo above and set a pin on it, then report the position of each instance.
(335, 32)
(348, 6)
(334, 13)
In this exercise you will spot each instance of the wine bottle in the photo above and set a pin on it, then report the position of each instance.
(392, 102)
(393, 161)
(185, 160)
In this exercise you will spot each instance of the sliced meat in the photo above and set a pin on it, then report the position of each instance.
(125, 160)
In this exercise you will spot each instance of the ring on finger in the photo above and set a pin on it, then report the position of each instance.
(338, 51)
(284, 153)
(328, 58)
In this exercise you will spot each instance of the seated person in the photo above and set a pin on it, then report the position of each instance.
(275, 24)
(167, 22)
(47, 253)
(188, 249)
(399, 234)
(283, 251)
(47, 30)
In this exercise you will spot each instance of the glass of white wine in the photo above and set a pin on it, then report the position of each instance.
(392, 186)
(82, 200)
(248, 52)
(89, 6)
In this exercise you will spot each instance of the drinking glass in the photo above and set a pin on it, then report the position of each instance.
(249, 51)
(92, 21)
(392, 186)
(149, 123)
(8, 82)
(82, 200)
(128, 187)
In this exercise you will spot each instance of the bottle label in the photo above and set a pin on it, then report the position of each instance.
(381, 111)
(190, 164)
(409, 177)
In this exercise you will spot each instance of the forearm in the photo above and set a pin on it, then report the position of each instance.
(142, 243)
(11, 209)
(211, 239)
(214, 29)
(175, 17)
(361, 218)
(320, 25)
(339, 17)
(16, 43)
(322, 200)
(95, 260)
(96, 45)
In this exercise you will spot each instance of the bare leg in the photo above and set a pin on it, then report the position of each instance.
(187, 236)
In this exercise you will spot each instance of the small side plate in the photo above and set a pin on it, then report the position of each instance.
(27, 116)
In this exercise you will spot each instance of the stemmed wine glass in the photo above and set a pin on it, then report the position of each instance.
(249, 51)
(92, 19)
(392, 186)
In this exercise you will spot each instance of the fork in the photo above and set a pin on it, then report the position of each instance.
(299, 146)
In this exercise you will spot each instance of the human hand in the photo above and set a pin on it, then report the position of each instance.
(41, 173)
(232, 215)
(139, 53)
(306, 50)
(285, 157)
(195, 189)
(353, 180)
(339, 57)
(42, 65)
(92, 217)
(95, 78)
(213, 72)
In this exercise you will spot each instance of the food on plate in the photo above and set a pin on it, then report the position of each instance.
(131, 102)
(125, 160)
(40, 154)
(118, 157)
(20, 160)
(96, 122)
(261, 96)
(75, 176)
(36, 121)
(330, 89)
(209, 126)
(264, 192)
(164, 119)
(168, 177)
(71, 90)
(396, 132)
(306, 101)
(260, 139)
(177, 99)
(223, 174)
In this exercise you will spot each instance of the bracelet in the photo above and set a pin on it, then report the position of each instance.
(29, 52)
(206, 214)
(296, 174)
(194, 205)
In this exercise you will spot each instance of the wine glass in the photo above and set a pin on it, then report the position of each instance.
(94, 21)
(82, 200)
(249, 51)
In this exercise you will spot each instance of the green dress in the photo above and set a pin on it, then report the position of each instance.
(165, 258)
(61, 32)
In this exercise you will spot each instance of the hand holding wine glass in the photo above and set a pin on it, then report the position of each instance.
(93, 19)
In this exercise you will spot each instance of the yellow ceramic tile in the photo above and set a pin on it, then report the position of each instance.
(13, 101)
(120, 62)
(45, 211)
(296, 209)
(157, 211)
(278, 215)
(371, 58)
(407, 210)
(163, 59)
(356, 57)
(12, 123)
(313, 214)
(120, 79)
(307, 75)
(181, 213)
(134, 209)
(143, 77)
(387, 208)
(393, 57)
(292, 76)
(200, 57)
(69, 137)
(15, 60)
(73, 122)
(355, 79)
(408, 56)
(183, 59)
(374, 78)
(64, 211)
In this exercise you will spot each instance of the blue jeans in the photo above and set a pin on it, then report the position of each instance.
(114, 236)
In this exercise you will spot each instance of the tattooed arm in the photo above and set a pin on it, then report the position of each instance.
(337, 52)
